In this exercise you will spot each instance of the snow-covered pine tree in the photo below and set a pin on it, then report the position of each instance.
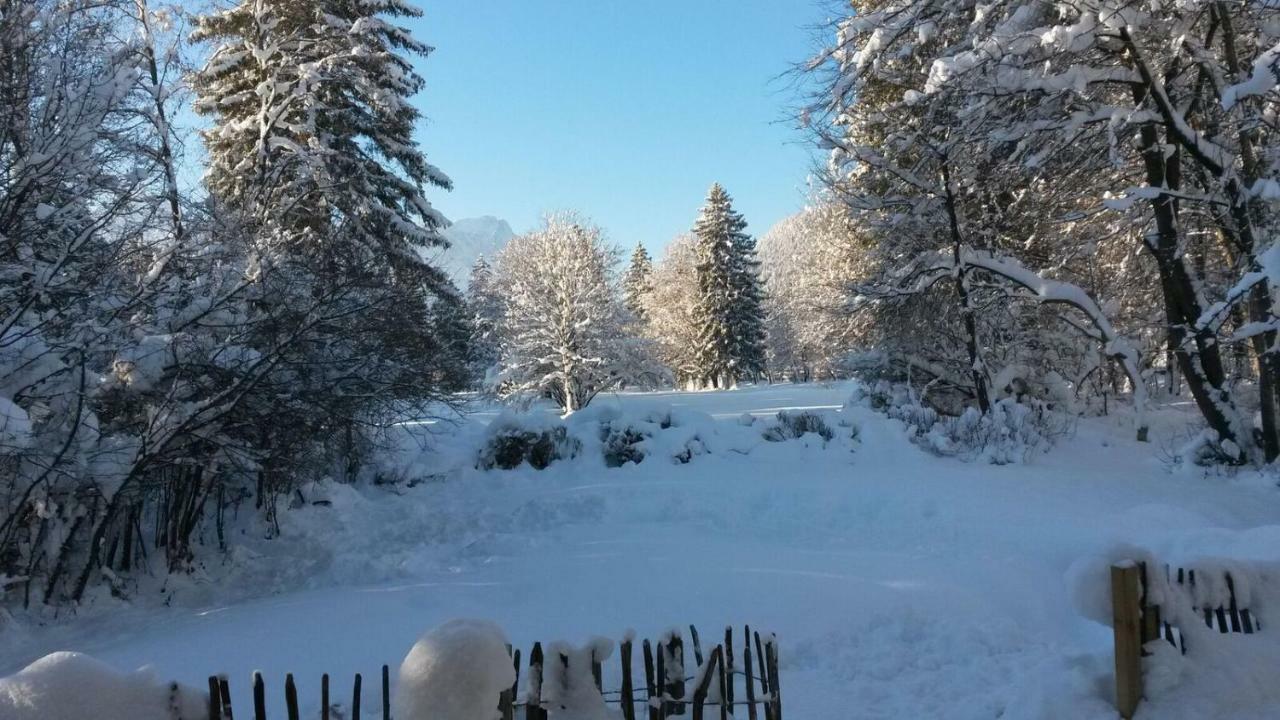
(637, 283)
(313, 126)
(484, 310)
(312, 151)
(730, 317)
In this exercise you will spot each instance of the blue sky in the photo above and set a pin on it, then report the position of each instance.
(624, 110)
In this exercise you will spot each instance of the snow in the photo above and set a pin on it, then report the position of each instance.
(455, 672)
(922, 586)
(65, 685)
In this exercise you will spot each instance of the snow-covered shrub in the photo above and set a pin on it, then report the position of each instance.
(659, 431)
(513, 440)
(455, 672)
(1007, 434)
(792, 424)
(69, 686)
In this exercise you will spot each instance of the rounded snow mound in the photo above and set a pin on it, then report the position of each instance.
(455, 672)
(66, 685)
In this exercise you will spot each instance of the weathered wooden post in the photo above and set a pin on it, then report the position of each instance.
(355, 698)
(628, 706)
(1126, 622)
(650, 686)
(704, 684)
(775, 689)
(751, 681)
(259, 697)
(324, 696)
(224, 689)
(386, 693)
(533, 696)
(291, 698)
(675, 674)
(215, 699)
(728, 664)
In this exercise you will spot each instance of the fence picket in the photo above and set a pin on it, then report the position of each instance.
(704, 683)
(355, 698)
(650, 688)
(533, 696)
(751, 681)
(291, 697)
(628, 703)
(259, 697)
(324, 696)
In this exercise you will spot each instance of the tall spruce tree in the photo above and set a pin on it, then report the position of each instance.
(313, 128)
(484, 310)
(729, 310)
(638, 282)
(311, 150)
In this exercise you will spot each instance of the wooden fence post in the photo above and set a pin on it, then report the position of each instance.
(764, 676)
(355, 698)
(728, 664)
(533, 696)
(324, 696)
(675, 675)
(386, 693)
(628, 706)
(775, 689)
(215, 699)
(259, 697)
(751, 681)
(224, 690)
(1126, 613)
(291, 698)
(704, 684)
(649, 685)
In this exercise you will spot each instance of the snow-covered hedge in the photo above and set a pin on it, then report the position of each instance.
(1010, 433)
(621, 437)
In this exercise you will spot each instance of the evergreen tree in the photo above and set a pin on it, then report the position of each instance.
(313, 127)
(729, 311)
(637, 284)
(311, 150)
(484, 311)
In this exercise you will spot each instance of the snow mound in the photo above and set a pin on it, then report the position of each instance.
(67, 685)
(455, 672)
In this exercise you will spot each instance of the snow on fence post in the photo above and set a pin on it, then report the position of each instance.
(662, 680)
(726, 681)
(533, 696)
(507, 700)
(649, 686)
(1126, 613)
(628, 707)
(674, 665)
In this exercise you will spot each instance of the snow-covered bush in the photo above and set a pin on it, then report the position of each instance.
(1007, 434)
(660, 432)
(71, 686)
(514, 440)
(455, 672)
(793, 424)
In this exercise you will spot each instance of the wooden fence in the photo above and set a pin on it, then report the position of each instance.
(1137, 620)
(720, 683)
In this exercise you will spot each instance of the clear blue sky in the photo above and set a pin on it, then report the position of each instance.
(624, 110)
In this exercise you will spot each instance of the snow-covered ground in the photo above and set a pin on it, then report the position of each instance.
(901, 585)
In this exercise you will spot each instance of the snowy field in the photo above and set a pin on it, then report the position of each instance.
(901, 585)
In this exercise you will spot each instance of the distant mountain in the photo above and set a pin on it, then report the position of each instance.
(469, 238)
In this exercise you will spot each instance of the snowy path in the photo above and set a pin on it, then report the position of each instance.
(921, 587)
